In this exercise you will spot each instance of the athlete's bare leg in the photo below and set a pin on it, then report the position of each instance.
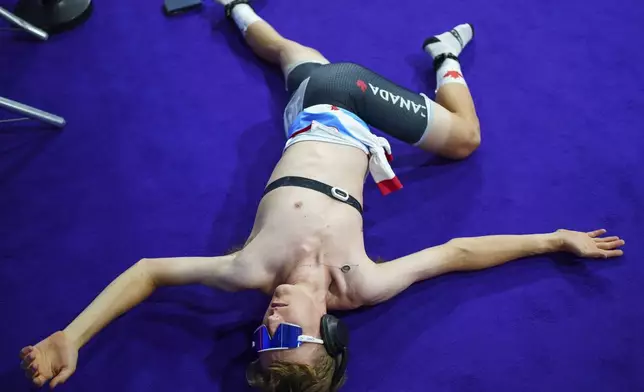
(272, 47)
(454, 131)
(454, 127)
(267, 43)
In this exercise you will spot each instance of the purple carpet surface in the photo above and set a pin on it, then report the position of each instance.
(174, 127)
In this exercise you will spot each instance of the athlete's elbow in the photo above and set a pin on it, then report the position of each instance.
(144, 264)
(147, 271)
(461, 255)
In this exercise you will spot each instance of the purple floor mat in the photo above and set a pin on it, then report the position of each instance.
(173, 129)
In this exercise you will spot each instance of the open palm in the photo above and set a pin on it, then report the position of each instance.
(53, 358)
(591, 244)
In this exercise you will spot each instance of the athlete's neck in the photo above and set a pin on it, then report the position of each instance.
(309, 272)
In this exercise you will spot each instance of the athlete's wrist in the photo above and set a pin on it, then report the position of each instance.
(557, 242)
(73, 337)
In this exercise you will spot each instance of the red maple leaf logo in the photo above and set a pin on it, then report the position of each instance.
(362, 85)
(453, 74)
(333, 107)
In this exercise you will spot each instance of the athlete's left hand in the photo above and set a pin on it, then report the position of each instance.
(591, 244)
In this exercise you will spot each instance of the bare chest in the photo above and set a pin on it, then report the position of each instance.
(295, 227)
(299, 228)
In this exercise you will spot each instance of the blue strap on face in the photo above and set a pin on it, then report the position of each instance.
(287, 336)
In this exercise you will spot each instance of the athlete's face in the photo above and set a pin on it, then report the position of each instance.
(295, 305)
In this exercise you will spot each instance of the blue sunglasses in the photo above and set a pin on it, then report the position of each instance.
(286, 337)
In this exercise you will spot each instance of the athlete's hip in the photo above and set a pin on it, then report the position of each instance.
(374, 99)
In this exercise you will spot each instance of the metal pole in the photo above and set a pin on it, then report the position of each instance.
(30, 112)
(33, 30)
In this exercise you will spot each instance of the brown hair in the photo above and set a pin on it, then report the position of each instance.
(283, 376)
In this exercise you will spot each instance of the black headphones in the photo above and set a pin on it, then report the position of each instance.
(335, 335)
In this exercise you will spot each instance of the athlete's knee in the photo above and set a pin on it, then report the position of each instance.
(285, 47)
(294, 52)
(465, 140)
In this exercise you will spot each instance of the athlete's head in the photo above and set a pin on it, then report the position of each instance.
(292, 314)
(284, 375)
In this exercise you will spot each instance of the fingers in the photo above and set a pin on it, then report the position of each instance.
(597, 233)
(61, 377)
(25, 351)
(607, 239)
(40, 380)
(33, 369)
(65, 374)
(27, 360)
(30, 366)
(32, 374)
(610, 245)
(613, 253)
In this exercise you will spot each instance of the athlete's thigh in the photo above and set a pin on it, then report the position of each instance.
(395, 110)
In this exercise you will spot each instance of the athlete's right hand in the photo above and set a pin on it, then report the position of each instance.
(52, 359)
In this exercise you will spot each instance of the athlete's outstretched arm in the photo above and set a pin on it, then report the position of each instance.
(55, 357)
(386, 280)
(139, 282)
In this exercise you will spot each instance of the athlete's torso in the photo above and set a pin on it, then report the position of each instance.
(292, 222)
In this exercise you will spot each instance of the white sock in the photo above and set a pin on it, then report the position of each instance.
(449, 72)
(242, 14)
(449, 43)
(453, 41)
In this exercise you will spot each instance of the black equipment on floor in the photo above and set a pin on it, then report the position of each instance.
(176, 7)
(54, 16)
